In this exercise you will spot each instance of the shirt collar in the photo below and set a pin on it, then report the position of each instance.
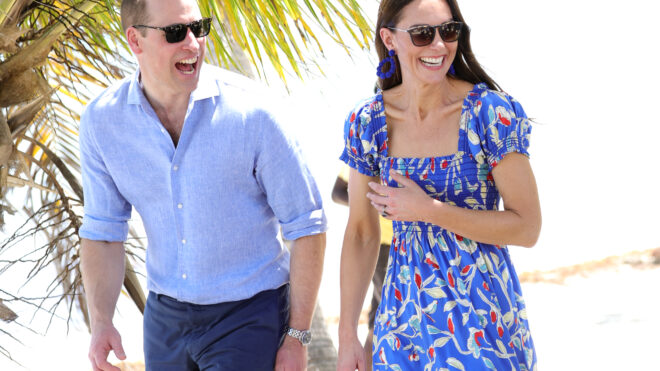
(207, 87)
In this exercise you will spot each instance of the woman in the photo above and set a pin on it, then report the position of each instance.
(434, 151)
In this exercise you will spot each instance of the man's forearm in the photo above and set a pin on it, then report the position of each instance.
(102, 264)
(306, 270)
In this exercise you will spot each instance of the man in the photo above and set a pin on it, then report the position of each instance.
(196, 152)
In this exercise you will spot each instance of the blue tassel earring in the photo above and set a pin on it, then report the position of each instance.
(391, 70)
(452, 71)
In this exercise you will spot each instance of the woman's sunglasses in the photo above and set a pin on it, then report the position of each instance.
(177, 32)
(424, 35)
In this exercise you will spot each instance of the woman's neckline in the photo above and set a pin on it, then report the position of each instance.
(465, 105)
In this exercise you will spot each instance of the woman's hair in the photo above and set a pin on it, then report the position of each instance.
(465, 63)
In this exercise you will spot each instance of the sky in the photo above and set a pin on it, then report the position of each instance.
(584, 70)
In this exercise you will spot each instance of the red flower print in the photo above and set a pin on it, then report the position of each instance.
(418, 280)
(397, 294)
(444, 164)
(381, 355)
(450, 324)
(430, 260)
(486, 287)
(432, 164)
(493, 316)
(504, 120)
(450, 278)
(465, 270)
(477, 335)
(353, 117)
(500, 331)
(459, 237)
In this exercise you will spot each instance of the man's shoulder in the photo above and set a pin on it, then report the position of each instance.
(227, 79)
(110, 98)
(243, 94)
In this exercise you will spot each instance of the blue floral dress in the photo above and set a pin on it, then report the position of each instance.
(448, 303)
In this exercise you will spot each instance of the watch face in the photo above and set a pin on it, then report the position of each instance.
(306, 337)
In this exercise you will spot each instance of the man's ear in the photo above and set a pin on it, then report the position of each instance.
(134, 41)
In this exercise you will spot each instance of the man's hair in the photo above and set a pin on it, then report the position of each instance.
(133, 12)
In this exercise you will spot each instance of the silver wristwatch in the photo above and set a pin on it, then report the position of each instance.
(304, 336)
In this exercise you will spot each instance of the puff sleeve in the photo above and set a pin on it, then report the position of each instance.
(498, 126)
(364, 137)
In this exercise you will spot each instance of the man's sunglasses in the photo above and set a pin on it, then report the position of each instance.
(177, 32)
(423, 35)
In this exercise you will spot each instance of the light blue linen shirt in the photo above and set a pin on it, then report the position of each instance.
(213, 205)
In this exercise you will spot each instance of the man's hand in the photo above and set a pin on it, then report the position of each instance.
(104, 339)
(292, 356)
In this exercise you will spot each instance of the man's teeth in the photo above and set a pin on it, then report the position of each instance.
(433, 61)
(188, 61)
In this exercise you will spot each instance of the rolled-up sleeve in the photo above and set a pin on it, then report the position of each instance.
(106, 211)
(285, 178)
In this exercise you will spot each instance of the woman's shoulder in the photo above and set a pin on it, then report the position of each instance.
(481, 96)
(367, 108)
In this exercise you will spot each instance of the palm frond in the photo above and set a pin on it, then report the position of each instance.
(263, 29)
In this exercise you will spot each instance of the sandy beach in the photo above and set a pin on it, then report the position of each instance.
(599, 315)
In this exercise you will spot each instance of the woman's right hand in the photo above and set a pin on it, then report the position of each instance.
(351, 355)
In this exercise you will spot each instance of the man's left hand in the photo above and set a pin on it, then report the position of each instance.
(292, 356)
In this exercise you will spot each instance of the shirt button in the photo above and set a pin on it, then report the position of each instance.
(184, 276)
(180, 206)
(183, 241)
(175, 168)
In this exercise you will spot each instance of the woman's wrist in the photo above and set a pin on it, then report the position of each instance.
(347, 331)
(433, 211)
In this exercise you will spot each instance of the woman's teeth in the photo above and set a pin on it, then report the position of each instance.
(433, 62)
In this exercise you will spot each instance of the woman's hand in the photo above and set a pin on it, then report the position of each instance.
(351, 355)
(406, 203)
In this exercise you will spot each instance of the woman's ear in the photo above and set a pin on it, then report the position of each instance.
(387, 36)
(133, 38)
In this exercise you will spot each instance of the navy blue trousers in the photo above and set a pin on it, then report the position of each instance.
(239, 335)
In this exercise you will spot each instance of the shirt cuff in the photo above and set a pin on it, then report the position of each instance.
(307, 224)
(103, 230)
